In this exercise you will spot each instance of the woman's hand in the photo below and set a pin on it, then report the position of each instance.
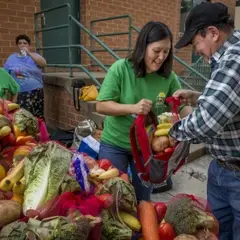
(26, 50)
(143, 107)
(187, 96)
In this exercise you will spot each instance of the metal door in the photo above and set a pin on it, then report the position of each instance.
(60, 36)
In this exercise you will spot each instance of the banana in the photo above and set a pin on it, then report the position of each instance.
(4, 131)
(111, 173)
(130, 221)
(12, 106)
(17, 198)
(161, 132)
(12, 177)
(164, 126)
(6, 185)
(19, 186)
(95, 172)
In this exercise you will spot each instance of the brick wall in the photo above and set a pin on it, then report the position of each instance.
(16, 17)
(59, 108)
(141, 11)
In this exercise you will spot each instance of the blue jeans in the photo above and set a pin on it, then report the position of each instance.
(223, 192)
(121, 158)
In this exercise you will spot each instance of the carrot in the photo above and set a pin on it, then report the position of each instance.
(125, 177)
(148, 220)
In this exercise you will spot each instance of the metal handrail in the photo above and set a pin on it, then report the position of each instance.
(71, 20)
(132, 27)
(94, 37)
(129, 32)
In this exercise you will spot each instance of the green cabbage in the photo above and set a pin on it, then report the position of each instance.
(45, 169)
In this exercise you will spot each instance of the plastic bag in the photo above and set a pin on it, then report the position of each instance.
(44, 136)
(202, 204)
(80, 171)
(90, 146)
(84, 128)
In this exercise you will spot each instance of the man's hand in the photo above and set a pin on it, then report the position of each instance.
(187, 96)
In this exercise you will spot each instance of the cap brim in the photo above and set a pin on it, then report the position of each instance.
(186, 39)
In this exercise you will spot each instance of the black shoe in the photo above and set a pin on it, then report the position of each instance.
(165, 186)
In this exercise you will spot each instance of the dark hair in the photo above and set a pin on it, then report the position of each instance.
(226, 26)
(23, 37)
(151, 32)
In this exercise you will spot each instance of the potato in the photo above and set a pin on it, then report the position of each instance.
(172, 142)
(185, 237)
(159, 144)
(10, 211)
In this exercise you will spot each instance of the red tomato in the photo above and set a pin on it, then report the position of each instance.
(160, 209)
(166, 231)
(9, 140)
(104, 164)
(169, 150)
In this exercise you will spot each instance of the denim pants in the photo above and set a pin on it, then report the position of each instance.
(223, 192)
(121, 158)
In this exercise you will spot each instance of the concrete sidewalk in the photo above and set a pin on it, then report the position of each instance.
(191, 179)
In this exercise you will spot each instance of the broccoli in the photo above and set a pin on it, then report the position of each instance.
(187, 218)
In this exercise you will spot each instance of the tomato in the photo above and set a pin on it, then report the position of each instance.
(9, 140)
(166, 231)
(104, 164)
(160, 209)
(169, 150)
(107, 199)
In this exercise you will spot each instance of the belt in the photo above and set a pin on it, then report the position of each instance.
(230, 165)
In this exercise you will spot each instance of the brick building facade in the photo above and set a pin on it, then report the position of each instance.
(16, 17)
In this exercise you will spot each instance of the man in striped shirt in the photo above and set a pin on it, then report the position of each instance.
(216, 120)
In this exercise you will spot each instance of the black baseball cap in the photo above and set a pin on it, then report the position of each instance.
(201, 16)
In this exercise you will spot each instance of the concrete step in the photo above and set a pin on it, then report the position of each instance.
(62, 79)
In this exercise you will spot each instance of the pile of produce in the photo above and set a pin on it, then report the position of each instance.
(160, 141)
(48, 192)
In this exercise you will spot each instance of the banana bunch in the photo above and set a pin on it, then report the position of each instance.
(98, 176)
(14, 181)
(18, 190)
(162, 129)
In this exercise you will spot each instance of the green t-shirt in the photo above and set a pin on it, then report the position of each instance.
(122, 86)
(7, 84)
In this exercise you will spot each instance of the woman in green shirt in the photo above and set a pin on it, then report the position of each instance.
(133, 86)
(8, 86)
